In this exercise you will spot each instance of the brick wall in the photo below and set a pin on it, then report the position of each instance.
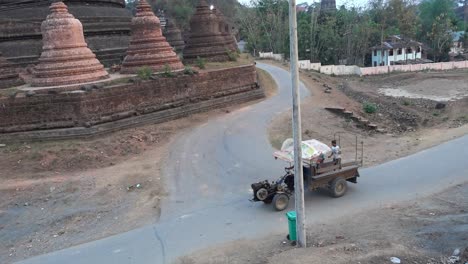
(79, 108)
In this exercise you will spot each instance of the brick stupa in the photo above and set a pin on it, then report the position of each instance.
(148, 47)
(8, 75)
(174, 35)
(66, 58)
(206, 40)
(225, 29)
(106, 25)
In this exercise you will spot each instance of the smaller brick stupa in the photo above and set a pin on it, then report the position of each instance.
(66, 58)
(206, 39)
(225, 29)
(148, 47)
(8, 75)
(174, 35)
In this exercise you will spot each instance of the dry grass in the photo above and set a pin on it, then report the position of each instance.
(243, 59)
(8, 92)
(267, 83)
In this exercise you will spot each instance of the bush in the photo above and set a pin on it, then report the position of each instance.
(369, 108)
(168, 71)
(200, 62)
(406, 102)
(233, 55)
(144, 73)
(189, 71)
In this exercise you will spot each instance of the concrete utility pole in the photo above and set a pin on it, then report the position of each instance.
(297, 130)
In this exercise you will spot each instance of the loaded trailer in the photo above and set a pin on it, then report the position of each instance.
(332, 175)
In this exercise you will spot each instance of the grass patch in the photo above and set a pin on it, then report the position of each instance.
(144, 73)
(201, 63)
(123, 80)
(167, 72)
(243, 59)
(8, 92)
(406, 103)
(369, 108)
(189, 71)
(233, 55)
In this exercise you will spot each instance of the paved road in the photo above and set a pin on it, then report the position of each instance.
(209, 175)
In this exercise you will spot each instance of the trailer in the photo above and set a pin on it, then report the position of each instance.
(331, 175)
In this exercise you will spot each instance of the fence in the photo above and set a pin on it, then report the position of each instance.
(355, 70)
(271, 55)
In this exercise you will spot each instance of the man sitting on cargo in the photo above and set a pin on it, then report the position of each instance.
(336, 152)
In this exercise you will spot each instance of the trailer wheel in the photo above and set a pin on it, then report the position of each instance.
(338, 187)
(280, 201)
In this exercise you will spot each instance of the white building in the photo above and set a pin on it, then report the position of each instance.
(396, 50)
(457, 42)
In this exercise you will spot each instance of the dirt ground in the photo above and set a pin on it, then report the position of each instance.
(410, 124)
(62, 193)
(425, 231)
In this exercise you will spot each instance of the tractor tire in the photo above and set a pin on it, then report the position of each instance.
(261, 194)
(280, 201)
(338, 187)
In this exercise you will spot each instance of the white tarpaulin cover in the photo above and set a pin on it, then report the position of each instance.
(311, 150)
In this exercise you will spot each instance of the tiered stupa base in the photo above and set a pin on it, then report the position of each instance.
(8, 75)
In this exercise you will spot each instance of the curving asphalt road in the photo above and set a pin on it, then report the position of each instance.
(209, 172)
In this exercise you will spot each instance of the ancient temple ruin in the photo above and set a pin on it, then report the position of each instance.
(8, 75)
(106, 26)
(66, 58)
(225, 30)
(174, 35)
(148, 47)
(206, 40)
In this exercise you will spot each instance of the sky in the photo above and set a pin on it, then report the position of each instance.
(360, 3)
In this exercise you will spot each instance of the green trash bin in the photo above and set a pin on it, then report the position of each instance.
(292, 225)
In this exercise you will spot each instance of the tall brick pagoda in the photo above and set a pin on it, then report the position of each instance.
(66, 58)
(8, 75)
(106, 26)
(206, 40)
(148, 47)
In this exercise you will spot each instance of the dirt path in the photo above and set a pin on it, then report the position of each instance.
(426, 231)
(58, 194)
(321, 124)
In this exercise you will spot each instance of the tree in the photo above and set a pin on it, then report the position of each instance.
(438, 21)
(441, 37)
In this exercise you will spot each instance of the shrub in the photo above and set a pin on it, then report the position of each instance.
(369, 108)
(231, 55)
(406, 102)
(168, 71)
(200, 62)
(144, 73)
(189, 71)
